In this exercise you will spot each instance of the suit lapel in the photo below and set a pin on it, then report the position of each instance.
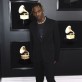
(36, 32)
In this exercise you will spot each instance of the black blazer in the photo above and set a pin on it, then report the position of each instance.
(49, 47)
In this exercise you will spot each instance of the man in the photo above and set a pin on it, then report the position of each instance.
(44, 39)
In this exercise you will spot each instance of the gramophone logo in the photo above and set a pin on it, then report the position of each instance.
(24, 53)
(24, 14)
(70, 34)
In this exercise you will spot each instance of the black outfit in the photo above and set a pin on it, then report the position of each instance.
(45, 47)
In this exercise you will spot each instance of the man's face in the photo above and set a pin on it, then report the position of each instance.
(38, 12)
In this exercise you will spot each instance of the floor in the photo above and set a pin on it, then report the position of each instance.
(32, 79)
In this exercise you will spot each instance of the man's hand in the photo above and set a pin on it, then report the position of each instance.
(54, 62)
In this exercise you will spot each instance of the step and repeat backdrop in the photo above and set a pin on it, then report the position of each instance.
(15, 41)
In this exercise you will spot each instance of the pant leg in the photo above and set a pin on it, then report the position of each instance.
(39, 71)
(49, 72)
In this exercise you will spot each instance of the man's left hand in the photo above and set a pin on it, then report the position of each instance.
(54, 62)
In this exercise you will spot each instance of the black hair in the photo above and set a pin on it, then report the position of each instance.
(37, 4)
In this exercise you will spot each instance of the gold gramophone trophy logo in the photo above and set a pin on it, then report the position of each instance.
(24, 14)
(70, 34)
(24, 53)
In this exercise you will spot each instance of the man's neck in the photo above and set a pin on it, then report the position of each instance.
(41, 21)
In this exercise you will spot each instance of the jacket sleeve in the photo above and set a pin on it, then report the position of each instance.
(56, 41)
(31, 41)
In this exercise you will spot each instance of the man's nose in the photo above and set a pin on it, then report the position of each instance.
(37, 14)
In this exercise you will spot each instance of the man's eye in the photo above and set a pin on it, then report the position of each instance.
(39, 11)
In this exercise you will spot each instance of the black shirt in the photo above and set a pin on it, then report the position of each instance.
(41, 29)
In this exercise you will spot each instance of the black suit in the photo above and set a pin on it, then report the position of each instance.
(45, 50)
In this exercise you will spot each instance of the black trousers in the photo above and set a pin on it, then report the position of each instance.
(44, 68)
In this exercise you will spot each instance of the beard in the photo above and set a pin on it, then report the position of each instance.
(40, 18)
